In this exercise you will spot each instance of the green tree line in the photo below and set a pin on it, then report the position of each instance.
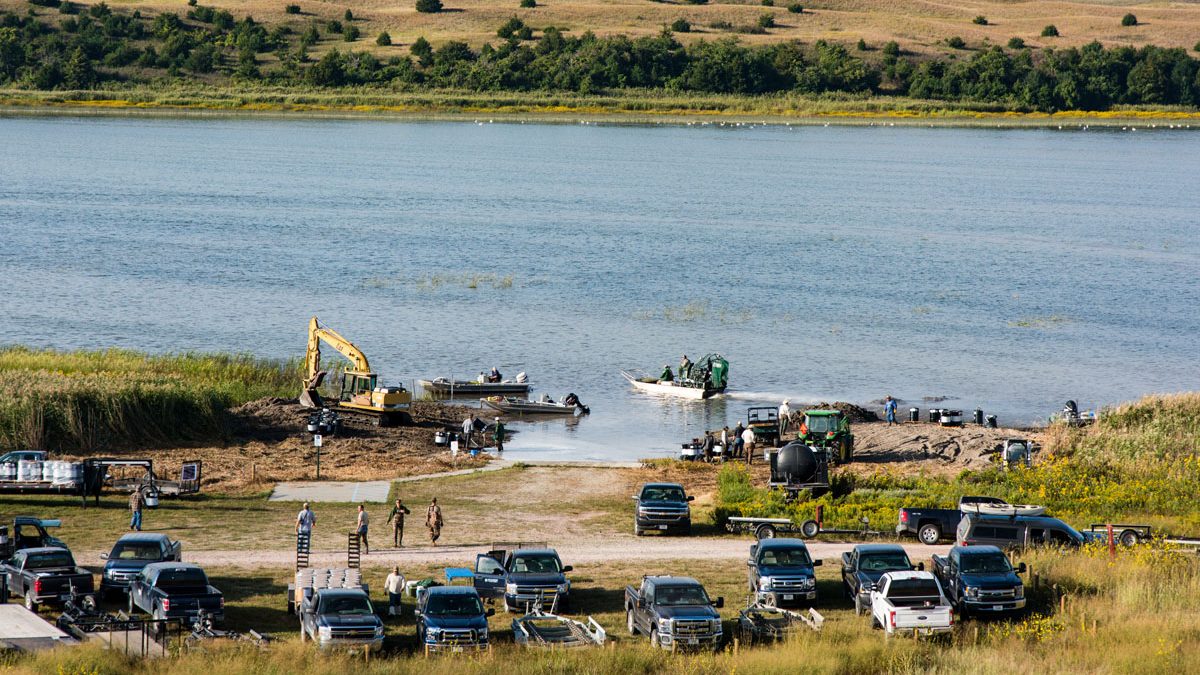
(81, 49)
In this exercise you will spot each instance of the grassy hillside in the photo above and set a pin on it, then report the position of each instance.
(90, 400)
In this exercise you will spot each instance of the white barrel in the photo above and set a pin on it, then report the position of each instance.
(73, 472)
(8, 471)
(48, 471)
(29, 470)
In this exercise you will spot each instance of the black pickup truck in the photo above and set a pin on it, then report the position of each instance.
(45, 575)
(171, 590)
(980, 579)
(865, 564)
(675, 612)
(933, 525)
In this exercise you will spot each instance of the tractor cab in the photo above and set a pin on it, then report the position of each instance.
(830, 430)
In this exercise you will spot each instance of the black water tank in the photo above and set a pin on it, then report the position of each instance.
(935, 415)
(914, 414)
(979, 416)
(991, 421)
(796, 463)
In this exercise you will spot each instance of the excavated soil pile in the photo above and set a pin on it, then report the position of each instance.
(269, 442)
(928, 447)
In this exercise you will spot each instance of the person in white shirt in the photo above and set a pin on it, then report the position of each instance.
(748, 441)
(305, 520)
(785, 414)
(394, 585)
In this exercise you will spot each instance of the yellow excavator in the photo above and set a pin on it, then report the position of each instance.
(361, 393)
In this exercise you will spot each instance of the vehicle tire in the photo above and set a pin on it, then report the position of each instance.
(629, 622)
(769, 600)
(654, 639)
(929, 533)
(130, 612)
(304, 636)
(875, 625)
(1129, 538)
(765, 531)
(809, 529)
(30, 603)
(637, 531)
(858, 606)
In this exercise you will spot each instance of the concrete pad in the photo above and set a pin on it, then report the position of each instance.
(332, 491)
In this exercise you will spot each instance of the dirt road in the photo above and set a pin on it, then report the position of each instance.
(575, 552)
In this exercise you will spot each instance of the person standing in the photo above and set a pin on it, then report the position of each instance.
(748, 445)
(889, 409)
(785, 416)
(394, 585)
(498, 435)
(136, 502)
(684, 366)
(433, 520)
(708, 446)
(738, 442)
(468, 426)
(396, 517)
(305, 521)
(362, 529)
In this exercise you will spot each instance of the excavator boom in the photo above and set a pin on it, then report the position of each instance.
(359, 390)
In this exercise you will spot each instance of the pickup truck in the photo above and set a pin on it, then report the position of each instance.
(933, 525)
(131, 554)
(45, 574)
(524, 577)
(169, 590)
(662, 507)
(781, 572)
(675, 612)
(28, 532)
(340, 617)
(980, 579)
(22, 456)
(451, 619)
(910, 601)
(865, 564)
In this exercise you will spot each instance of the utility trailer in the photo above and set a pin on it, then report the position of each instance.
(769, 528)
(544, 629)
(124, 475)
(760, 623)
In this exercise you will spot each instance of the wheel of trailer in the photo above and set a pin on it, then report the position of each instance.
(30, 603)
(765, 531)
(1129, 538)
(929, 533)
(629, 623)
(809, 529)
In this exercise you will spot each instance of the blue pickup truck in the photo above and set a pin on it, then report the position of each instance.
(675, 613)
(781, 572)
(865, 564)
(662, 507)
(131, 554)
(452, 619)
(340, 617)
(524, 577)
(980, 579)
(169, 590)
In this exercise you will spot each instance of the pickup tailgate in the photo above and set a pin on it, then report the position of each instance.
(908, 618)
(190, 603)
(58, 584)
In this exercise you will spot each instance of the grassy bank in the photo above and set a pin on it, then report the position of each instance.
(1131, 614)
(629, 106)
(1138, 464)
(84, 401)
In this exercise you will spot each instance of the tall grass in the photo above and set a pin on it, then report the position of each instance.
(85, 401)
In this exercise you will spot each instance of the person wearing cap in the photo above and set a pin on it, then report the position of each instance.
(785, 414)
(396, 517)
(684, 366)
(498, 436)
(667, 375)
(433, 520)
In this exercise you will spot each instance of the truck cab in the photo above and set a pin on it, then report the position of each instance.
(131, 554)
(29, 532)
(340, 617)
(675, 613)
(662, 507)
(451, 619)
(980, 579)
(781, 572)
(865, 564)
(23, 456)
(524, 577)
(904, 602)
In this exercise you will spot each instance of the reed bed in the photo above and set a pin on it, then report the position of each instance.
(88, 401)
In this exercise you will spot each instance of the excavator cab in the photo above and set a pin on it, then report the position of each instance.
(357, 387)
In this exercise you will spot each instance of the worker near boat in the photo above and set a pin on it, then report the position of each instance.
(494, 377)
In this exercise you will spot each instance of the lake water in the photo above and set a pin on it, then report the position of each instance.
(1009, 270)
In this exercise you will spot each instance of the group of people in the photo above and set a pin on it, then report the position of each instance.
(306, 519)
(685, 366)
(473, 433)
(729, 444)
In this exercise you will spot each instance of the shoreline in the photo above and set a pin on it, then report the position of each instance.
(525, 114)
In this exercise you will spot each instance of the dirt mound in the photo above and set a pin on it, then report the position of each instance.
(922, 446)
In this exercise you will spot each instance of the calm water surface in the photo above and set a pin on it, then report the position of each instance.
(1005, 269)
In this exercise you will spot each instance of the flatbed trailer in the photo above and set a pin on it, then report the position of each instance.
(98, 474)
(769, 528)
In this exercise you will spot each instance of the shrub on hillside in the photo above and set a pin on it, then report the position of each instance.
(348, 16)
(384, 40)
(795, 8)
(681, 25)
(429, 6)
(1129, 20)
(980, 20)
(1016, 43)
(768, 3)
(956, 43)
(528, 4)
(292, 9)
(891, 48)
(334, 26)
(352, 33)
(767, 20)
(422, 50)
(508, 30)
(1050, 31)
(862, 45)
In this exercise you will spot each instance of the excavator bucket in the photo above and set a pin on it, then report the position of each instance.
(310, 397)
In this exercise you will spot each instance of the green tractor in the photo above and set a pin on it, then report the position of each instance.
(829, 430)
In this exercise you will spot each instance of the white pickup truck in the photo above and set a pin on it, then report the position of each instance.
(906, 601)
